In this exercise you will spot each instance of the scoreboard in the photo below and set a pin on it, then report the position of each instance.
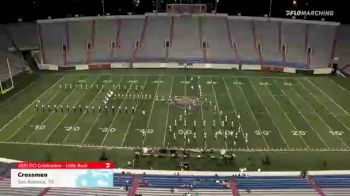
(62, 174)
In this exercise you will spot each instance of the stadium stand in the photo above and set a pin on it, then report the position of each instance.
(242, 35)
(5, 41)
(320, 40)
(24, 35)
(17, 65)
(215, 33)
(343, 49)
(53, 37)
(5, 189)
(80, 38)
(293, 37)
(183, 38)
(186, 42)
(157, 33)
(268, 36)
(106, 32)
(130, 33)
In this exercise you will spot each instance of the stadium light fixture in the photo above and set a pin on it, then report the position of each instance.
(270, 9)
(103, 7)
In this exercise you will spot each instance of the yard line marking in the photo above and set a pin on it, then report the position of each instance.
(150, 114)
(281, 108)
(48, 101)
(167, 116)
(93, 124)
(205, 141)
(116, 114)
(185, 86)
(233, 106)
(322, 118)
(83, 114)
(21, 127)
(65, 116)
(51, 113)
(217, 105)
(306, 120)
(177, 148)
(132, 118)
(19, 114)
(268, 112)
(346, 112)
(251, 110)
(340, 86)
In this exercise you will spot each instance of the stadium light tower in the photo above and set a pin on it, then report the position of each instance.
(103, 7)
(216, 5)
(270, 9)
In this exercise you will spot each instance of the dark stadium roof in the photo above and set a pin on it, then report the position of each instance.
(31, 10)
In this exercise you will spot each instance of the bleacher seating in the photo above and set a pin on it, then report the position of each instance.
(254, 40)
(53, 37)
(5, 41)
(79, 36)
(6, 190)
(131, 29)
(24, 35)
(17, 65)
(105, 33)
(186, 42)
(293, 36)
(215, 33)
(242, 34)
(267, 33)
(321, 38)
(157, 32)
(343, 43)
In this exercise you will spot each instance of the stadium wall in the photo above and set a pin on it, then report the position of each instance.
(174, 65)
(214, 66)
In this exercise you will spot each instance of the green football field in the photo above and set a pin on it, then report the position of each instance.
(213, 110)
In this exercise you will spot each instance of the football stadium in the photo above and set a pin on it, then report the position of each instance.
(182, 101)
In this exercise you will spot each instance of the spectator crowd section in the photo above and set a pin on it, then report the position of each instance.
(203, 38)
(9, 54)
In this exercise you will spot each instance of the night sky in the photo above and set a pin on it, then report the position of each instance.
(31, 10)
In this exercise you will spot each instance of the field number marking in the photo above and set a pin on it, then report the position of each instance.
(71, 128)
(144, 131)
(262, 132)
(106, 129)
(299, 133)
(338, 133)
